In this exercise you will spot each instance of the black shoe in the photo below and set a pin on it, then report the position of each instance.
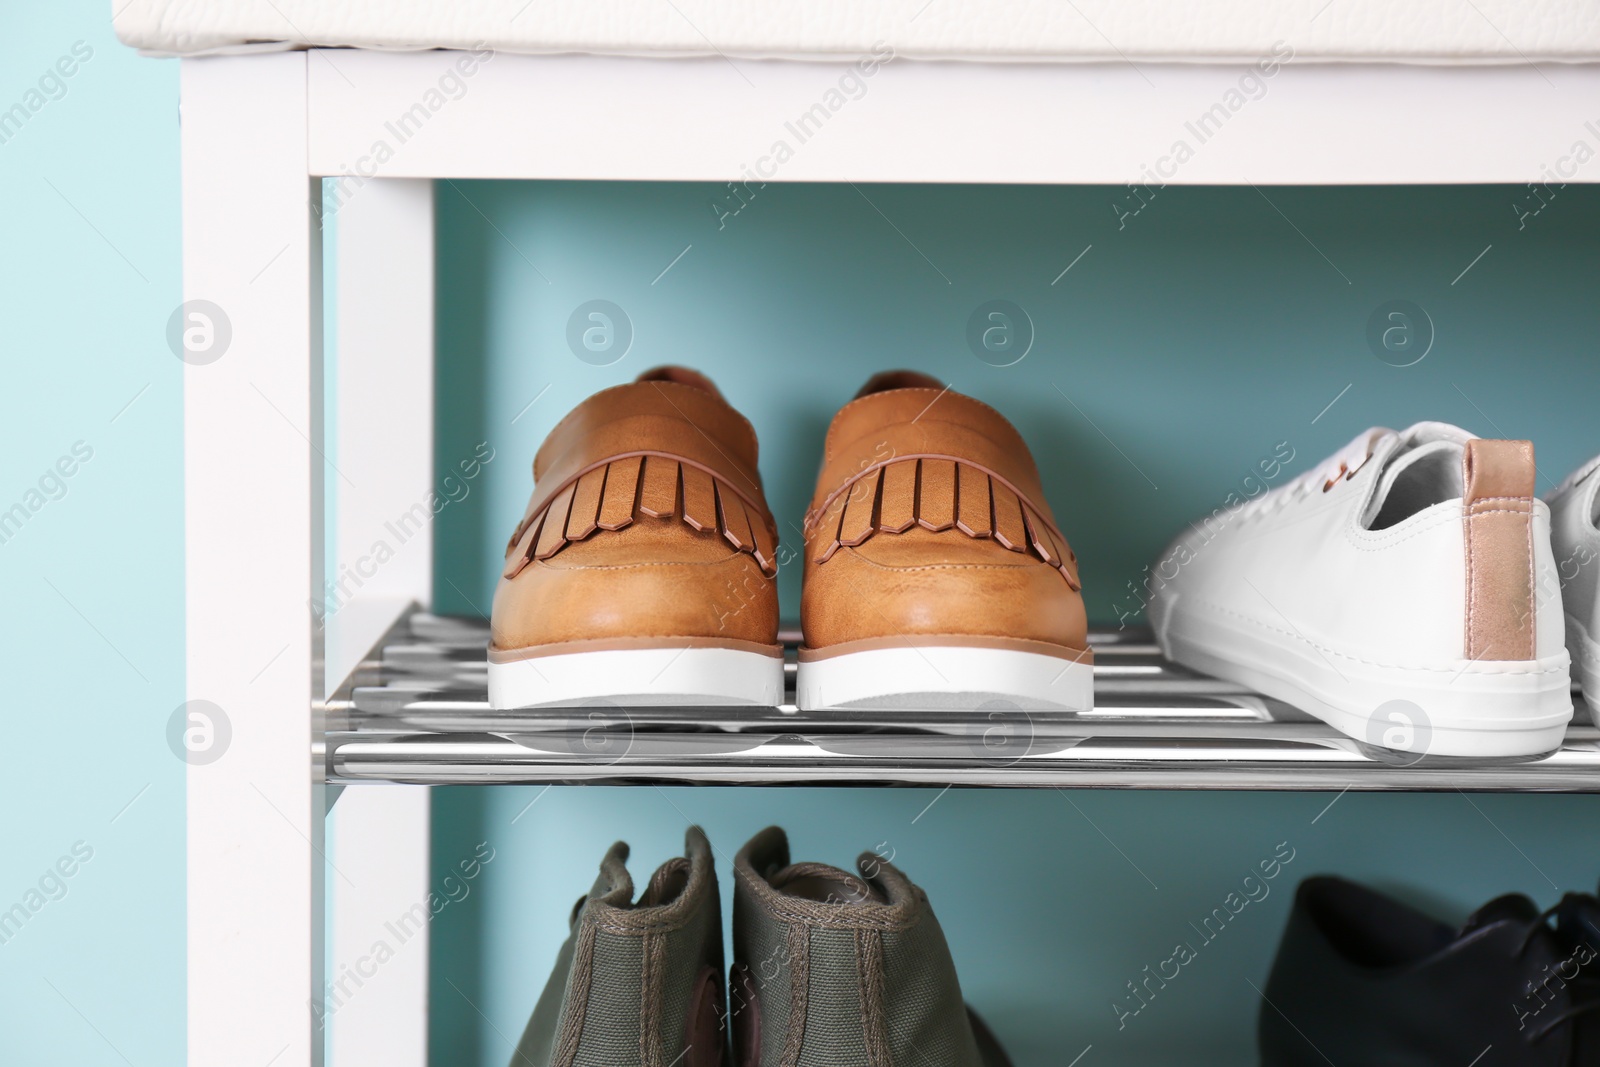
(1578, 930)
(1365, 981)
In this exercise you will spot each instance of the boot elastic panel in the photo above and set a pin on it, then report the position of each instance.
(681, 376)
(898, 379)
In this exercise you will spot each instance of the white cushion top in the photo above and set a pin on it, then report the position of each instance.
(1405, 31)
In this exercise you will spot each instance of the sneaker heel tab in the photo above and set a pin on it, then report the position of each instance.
(1497, 486)
(1497, 469)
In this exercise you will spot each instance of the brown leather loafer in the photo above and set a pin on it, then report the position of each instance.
(642, 570)
(935, 575)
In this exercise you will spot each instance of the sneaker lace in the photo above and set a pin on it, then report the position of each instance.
(1343, 464)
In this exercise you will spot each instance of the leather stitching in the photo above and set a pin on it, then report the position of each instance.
(1533, 591)
(1220, 610)
(584, 640)
(1469, 626)
(1476, 645)
(911, 639)
(1365, 540)
(646, 566)
(1032, 562)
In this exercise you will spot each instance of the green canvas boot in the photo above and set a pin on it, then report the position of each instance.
(638, 984)
(832, 970)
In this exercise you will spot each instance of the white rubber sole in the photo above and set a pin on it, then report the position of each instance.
(647, 677)
(1585, 651)
(944, 678)
(1462, 708)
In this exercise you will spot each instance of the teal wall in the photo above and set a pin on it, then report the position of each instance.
(1051, 900)
(1208, 302)
(1168, 362)
(91, 635)
(1196, 339)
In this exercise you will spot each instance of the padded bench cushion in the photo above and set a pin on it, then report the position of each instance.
(1406, 31)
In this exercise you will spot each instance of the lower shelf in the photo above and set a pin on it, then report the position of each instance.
(416, 711)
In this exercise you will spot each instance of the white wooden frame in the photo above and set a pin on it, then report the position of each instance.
(258, 133)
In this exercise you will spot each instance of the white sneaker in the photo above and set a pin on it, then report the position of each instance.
(1405, 593)
(1575, 536)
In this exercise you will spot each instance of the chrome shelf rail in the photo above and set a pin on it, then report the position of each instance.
(416, 711)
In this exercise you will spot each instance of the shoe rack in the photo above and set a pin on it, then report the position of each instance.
(382, 695)
(415, 711)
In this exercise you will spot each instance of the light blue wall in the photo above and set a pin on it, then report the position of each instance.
(1197, 338)
(92, 584)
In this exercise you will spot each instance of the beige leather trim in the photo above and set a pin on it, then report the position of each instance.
(626, 644)
(1012, 644)
(1497, 503)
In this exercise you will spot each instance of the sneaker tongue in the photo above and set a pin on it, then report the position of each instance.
(1513, 907)
(1408, 458)
(1408, 454)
